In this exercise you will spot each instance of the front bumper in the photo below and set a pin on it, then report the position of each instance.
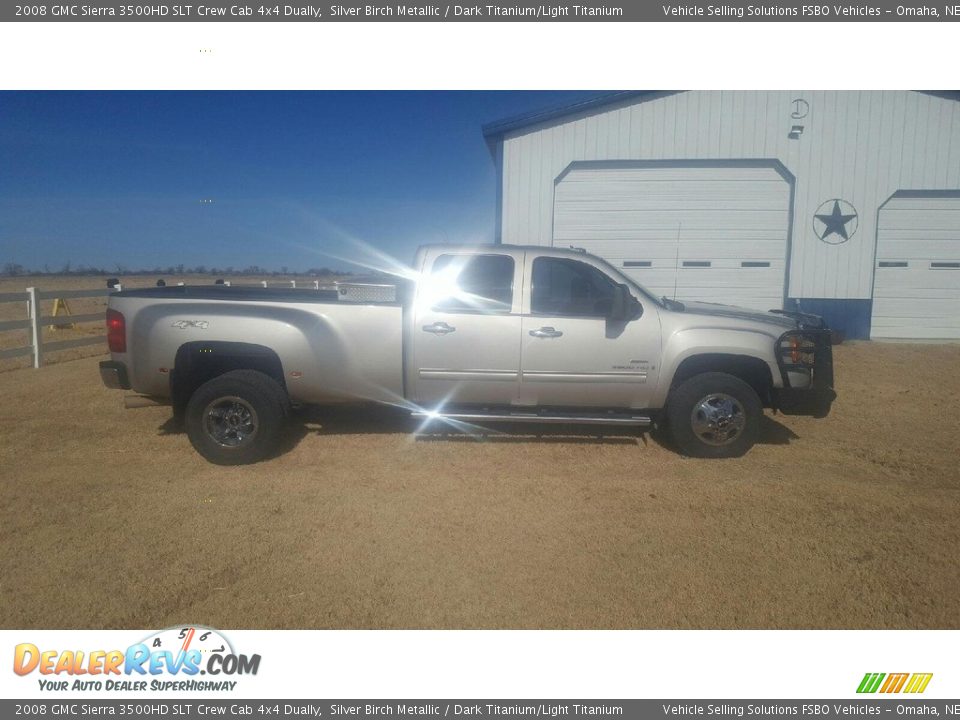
(804, 401)
(114, 375)
(817, 395)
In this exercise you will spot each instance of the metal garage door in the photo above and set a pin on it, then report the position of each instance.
(916, 286)
(718, 234)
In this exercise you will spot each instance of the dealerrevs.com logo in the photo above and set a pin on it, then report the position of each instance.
(172, 659)
(894, 682)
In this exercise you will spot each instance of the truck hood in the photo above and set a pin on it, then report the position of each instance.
(732, 311)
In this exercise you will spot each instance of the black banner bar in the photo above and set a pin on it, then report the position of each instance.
(520, 11)
(195, 707)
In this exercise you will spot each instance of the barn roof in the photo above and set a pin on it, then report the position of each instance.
(495, 130)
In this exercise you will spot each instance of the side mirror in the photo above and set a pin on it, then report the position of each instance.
(625, 306)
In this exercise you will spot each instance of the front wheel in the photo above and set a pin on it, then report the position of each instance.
(236, 418)
(714, 415)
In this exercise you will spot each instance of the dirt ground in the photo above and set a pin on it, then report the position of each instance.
(109, 519)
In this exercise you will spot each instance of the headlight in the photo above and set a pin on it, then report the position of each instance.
(797, 350)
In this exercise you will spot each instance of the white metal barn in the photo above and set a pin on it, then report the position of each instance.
(846, 204)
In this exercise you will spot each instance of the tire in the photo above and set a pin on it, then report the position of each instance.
(236, 418)
(714, 415)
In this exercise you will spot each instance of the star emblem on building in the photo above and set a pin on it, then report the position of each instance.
(835, 221)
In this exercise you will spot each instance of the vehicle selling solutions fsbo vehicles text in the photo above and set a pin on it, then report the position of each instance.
(706, 11)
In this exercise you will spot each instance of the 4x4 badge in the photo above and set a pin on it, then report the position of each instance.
(184, 324)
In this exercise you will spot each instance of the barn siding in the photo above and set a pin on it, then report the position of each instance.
(861, 146)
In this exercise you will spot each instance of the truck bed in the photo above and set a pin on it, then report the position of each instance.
(245, 293)
(330, 349)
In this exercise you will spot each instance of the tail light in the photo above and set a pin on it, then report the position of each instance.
(116, 331)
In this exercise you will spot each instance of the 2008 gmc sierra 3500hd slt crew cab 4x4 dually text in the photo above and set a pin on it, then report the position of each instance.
(479, 334)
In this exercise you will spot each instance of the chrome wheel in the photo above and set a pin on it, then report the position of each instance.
(718, 419)
(230, 421)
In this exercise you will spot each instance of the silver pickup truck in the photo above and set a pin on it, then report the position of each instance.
(475, 335)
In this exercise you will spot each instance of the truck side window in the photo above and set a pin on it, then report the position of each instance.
(479, 283)
(570, 287)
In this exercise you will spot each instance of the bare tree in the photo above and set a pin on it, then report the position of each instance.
(13, 269)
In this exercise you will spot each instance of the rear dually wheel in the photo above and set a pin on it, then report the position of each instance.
(236, 418)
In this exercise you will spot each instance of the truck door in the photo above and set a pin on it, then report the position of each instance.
(466, 329)
(573, 354)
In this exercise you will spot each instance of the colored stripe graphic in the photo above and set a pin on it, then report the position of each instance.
(894, 682)
(870, 682)
(918, 683)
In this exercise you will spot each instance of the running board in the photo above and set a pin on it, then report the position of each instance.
(618, 419)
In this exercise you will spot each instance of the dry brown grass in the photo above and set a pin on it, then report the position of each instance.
(111, 520)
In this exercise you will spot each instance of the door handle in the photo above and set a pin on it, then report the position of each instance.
(439, 328)
(546, 332)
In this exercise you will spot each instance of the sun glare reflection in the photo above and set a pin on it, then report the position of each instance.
(439, 288)
(357, 252)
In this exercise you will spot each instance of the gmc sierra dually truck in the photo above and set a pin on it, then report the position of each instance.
(475, 335)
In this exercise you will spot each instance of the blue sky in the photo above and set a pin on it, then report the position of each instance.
(117, 178)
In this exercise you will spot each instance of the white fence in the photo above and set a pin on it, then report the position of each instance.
(36, 320)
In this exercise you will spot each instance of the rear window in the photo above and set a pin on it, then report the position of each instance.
(472, 283)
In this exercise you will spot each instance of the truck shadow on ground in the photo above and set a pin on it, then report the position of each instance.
(374, 420)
